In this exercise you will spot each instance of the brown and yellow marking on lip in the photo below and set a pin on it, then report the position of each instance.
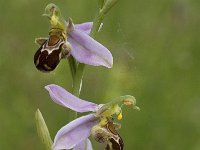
(53, 40)
(48, 56)
(108, 135)
(55, 47)
(115, 142)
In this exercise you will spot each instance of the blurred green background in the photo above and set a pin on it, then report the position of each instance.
(156, 49)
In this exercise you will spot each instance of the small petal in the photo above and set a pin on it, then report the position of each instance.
(84, 145)
(86, 50)
(66, 99)
(74, 132)
(86, 27)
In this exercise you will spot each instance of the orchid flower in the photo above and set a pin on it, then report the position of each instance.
(67, 39)
(99, 123)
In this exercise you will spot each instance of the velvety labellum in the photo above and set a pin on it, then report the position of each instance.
(48, 56)
(109, 136)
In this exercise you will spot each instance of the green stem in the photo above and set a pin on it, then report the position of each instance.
(77, 82)
(108, 5)
(101, 3)
(72, 65)
(96, 24)
(78, 75)
(80, 69)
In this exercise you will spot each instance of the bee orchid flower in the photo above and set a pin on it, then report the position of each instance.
(99, 123)
(67, 39)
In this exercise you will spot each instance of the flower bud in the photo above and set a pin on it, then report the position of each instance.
(42, 130)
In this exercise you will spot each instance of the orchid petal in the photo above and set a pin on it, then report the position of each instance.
(62, 97)
(73, 133)
(86, 27)
(86, 50)
(84, 145)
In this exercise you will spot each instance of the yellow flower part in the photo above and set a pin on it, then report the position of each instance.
(119, 117)
(115, 109)
(54, 20)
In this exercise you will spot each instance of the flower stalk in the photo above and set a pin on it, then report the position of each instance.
(101, 3)
(77, 82)
(104, 7)
(73, 66)
(108, 5)
(77, 76)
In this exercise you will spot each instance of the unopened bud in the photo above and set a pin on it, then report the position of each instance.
(42, 130)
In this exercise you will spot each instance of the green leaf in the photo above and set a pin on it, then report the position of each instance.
(42, 130)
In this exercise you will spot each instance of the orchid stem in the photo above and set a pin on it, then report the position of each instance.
(78, 74)
(72, 65)
(96, 24)
(77, 82)
(104, 7)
